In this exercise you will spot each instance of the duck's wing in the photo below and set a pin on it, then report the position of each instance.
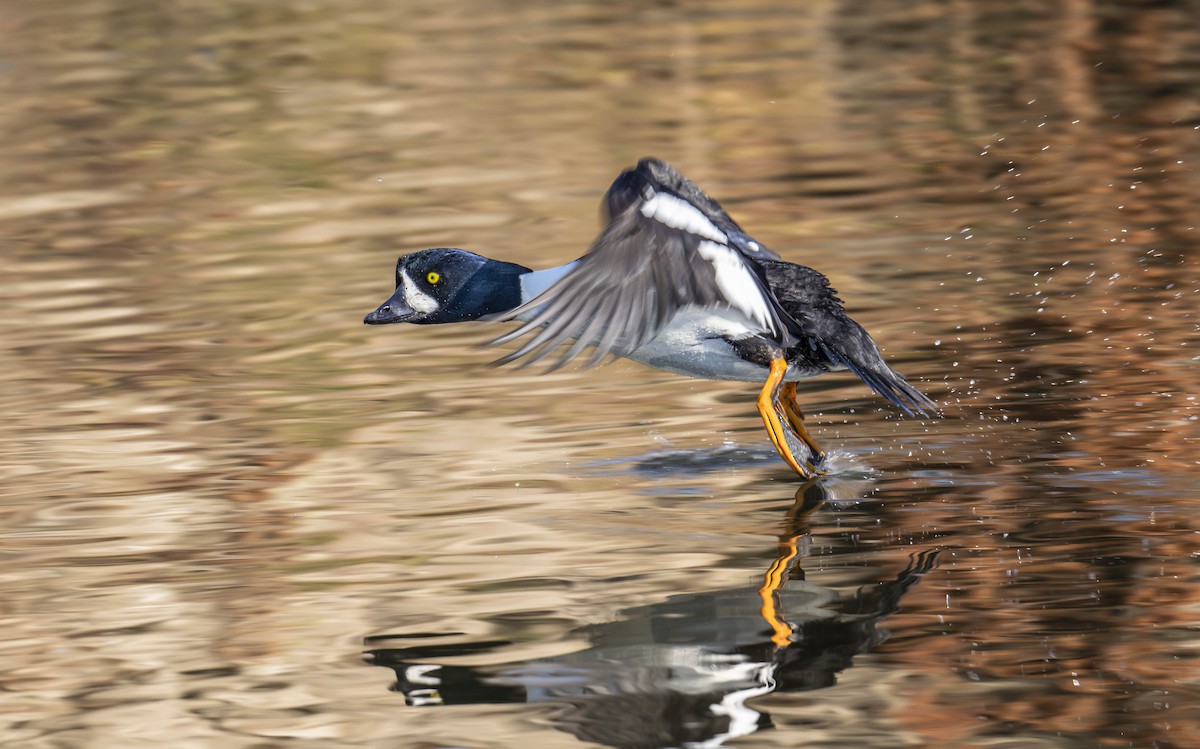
(667, 246)
(666, 178)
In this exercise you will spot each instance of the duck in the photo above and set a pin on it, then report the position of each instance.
(671, 282)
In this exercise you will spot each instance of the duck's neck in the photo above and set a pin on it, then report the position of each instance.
(495, 287)
(499, 287)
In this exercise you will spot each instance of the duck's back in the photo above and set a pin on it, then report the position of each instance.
(830, 340)
(803, 292)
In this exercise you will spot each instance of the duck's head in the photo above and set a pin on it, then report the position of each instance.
(449, 285)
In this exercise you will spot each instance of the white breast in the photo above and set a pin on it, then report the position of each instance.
(538, 281)
(693, 345)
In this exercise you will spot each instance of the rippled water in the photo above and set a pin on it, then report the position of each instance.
(234, 516)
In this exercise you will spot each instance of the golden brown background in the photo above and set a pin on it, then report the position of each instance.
(216, 481)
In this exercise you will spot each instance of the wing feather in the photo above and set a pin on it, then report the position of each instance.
(646, 266)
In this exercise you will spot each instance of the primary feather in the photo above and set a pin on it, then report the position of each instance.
(667, 246)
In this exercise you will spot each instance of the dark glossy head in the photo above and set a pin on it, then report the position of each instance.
(448, 285)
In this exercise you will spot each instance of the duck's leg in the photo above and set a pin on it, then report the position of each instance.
(767, 353)
(795, 417)
(769, 408)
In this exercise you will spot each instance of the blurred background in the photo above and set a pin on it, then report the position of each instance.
(234, 516)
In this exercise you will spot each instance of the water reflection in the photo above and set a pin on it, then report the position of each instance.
(678, 672)
(211, 474)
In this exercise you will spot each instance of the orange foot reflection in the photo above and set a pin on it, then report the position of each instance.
(808, 498)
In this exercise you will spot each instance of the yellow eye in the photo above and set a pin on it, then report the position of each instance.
(433, 277)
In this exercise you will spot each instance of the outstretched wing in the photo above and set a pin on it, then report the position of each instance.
(667, 246)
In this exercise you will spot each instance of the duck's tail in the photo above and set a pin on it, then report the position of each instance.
(859, 354)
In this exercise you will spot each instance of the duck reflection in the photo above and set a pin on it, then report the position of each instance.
(676, 673)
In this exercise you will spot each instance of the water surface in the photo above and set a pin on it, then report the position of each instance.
(234, 516)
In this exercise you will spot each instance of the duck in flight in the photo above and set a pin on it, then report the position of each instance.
(671, 282)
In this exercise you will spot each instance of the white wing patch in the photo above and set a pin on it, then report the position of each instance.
(417, 299)
(679, 214)
(738, 285)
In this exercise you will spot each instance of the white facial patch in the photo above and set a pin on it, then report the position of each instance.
(417, 299)
(738, 285)
(417, 674)
(680, 214)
